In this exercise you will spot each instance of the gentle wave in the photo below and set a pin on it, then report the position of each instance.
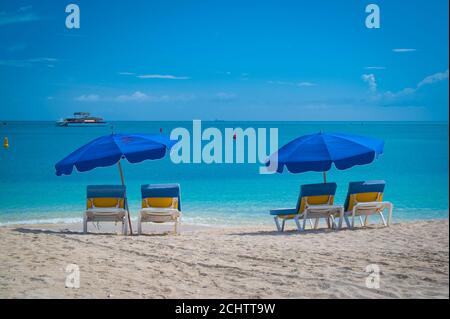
(219, 219)
(43, 221)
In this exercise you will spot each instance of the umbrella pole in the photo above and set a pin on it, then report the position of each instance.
(126, 200)
(325, 177)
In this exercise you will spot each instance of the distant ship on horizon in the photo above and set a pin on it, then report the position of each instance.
(81, 119)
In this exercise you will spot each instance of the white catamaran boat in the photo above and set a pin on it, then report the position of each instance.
(81, 119)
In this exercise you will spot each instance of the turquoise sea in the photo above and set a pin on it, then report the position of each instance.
(415, 166)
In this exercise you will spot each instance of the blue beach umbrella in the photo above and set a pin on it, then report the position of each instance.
(111, 149)
(318, 152)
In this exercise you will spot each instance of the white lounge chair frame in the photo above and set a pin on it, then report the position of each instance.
(367, 209)
(160, 215)
(280, 228)
(316, 212)
(106, 214)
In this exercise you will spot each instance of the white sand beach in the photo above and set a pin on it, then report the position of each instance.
(247, 262)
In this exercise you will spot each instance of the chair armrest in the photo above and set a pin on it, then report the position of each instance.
(283, 211)
(324, 207)
(373, 205)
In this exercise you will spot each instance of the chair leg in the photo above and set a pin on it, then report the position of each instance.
(277, 223)
(316, 223)
(176, 227)
(391, 208)
(347, 221)
(139, 224)
(297, 222)
(353, 217)
(328, 221)
(361, 221)
(283, 223)
(341, 215)
(311, 223)
(85, 224)
(333, 222)
(383, 220)
(125, 226)
(366, 220)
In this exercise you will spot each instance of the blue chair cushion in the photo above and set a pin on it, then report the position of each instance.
(161, 190)
(283, 211)
(105, 191)
(363, 187)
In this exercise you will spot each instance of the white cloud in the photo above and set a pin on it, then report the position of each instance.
(135, 97)
(15, 63)
(28, 62)
(370, 79)
(305, 84)
(16, 47)
(298, 84)
(160, 76)
(402, 50)
(88, 98)
(155, 76)
(437, 77)
(400, 94)
(225, 97)
(21, 17)
(408, 92)
(139, 96)
(38, 60)
(25, 8)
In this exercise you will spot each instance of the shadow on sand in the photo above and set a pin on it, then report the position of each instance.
(295, 232)
(36, 231)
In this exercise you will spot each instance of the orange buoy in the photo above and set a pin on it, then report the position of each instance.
(6, 143)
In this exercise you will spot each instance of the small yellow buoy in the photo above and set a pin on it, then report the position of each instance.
(6, 143)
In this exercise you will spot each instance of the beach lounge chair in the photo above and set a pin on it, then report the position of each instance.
(314, 202)
(106, 203)
(161, 203)
(366, 199)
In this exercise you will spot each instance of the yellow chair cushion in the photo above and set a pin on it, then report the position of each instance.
(364, 198)
(105, 202)
(315, 200)
(158, 202)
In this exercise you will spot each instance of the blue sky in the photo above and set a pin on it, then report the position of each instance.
(258, 60)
